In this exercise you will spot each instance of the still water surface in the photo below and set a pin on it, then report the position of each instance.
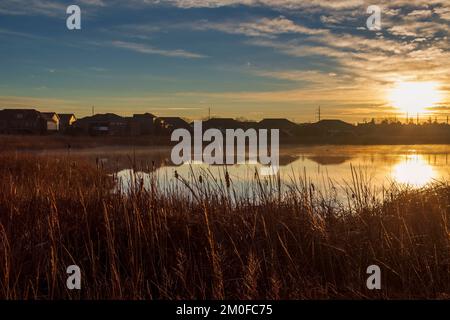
(412, 165)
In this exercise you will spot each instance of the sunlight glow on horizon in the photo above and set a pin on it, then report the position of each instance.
(415, 97)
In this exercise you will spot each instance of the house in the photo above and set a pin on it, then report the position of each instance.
(286, 128)
(249, 125)
(277, 123)
(332, 124)
(325, 129)
(222, 124)
(103, 124)
(142, 124)
(21, 121)
(331, 127)
(66, 120)
(51, 120)
(165, 125)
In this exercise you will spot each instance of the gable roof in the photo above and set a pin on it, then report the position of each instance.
(222, 123)
(49, 115)
(277, 123)
(333, 124)
(106, 117)
(65, 117)
(143, 115)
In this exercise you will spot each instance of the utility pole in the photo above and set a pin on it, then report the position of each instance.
(209, 113)
(93, 110)
(318, 114)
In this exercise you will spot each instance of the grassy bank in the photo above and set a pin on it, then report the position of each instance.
(200, 240)
(57, 141)
(12, 143)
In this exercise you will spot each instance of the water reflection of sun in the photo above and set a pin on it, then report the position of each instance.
(413, 171)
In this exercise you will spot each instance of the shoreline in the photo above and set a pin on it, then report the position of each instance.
(63, 142)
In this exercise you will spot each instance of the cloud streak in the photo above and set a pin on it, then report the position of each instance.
(146, 49)
(263, 27)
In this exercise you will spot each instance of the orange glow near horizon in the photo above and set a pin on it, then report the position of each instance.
(415, 97)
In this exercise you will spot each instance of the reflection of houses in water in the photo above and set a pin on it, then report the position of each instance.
(284, 160)
(113, 160)
(143, 160)
(329, 160)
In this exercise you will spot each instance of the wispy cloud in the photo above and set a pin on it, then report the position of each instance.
(313, 77)
(443, 12)
(146, 49)
(9, 33)
(262, 27)
(32, 7)
(50, 8)
(288, 4)
(98, 3)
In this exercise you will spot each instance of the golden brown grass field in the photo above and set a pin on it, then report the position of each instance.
(209, 243)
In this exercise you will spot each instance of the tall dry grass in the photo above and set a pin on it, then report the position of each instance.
(199, 239)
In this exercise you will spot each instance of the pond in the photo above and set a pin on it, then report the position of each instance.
(380, 166)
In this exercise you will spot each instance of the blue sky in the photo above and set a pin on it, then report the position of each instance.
(243, 58)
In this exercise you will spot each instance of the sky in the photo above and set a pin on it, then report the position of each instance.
(248, 59)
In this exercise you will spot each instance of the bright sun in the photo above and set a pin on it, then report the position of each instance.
(414, 97)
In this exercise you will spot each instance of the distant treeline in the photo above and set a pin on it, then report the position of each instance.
(330, 131)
